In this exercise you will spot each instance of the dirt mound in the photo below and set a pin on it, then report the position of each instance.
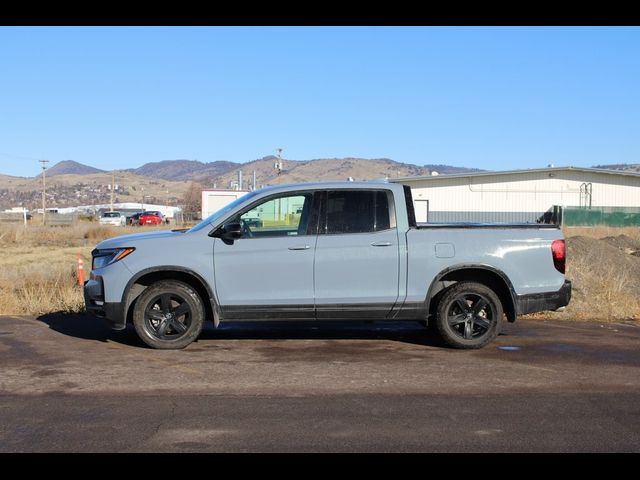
(606, 279)
(625, 243)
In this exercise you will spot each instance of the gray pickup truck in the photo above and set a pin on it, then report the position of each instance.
(335, 251)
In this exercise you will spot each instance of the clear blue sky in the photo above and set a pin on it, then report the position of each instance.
(492, 98)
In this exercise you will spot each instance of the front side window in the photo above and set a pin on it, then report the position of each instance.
(277, 217)
(357, 211)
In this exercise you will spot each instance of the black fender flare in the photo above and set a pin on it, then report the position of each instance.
(213, 300)
(510, 309)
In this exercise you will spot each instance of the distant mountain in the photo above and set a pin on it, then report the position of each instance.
(625, 167)
(183, 169)
(71, 167)
(167, 181)
(325, 169)
(223, 173)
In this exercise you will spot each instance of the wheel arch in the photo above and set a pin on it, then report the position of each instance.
(490, 276)
(144, 278)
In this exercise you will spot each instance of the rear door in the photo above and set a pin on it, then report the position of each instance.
(357, 255)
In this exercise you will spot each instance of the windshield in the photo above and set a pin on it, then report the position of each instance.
(215, 216)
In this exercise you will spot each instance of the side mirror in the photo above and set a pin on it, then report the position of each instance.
(231, 231)
(228, 232)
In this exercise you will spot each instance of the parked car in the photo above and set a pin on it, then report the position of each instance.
(134, 219)
(354, 251)
(253, 222)
(113, 218)
(151, 218)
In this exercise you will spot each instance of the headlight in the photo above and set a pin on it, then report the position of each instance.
(102, 258)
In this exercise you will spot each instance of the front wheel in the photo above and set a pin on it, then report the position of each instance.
(469, 315)
(168, 315)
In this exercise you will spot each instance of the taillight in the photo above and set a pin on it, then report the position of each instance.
(558, 252)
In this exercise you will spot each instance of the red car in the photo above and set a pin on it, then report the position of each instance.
(150, 218)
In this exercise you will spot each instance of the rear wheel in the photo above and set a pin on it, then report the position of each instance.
(168, 315)
(469, 315)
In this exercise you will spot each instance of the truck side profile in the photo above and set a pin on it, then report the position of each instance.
(335, 251)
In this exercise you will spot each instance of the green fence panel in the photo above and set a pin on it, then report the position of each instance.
(608, 216)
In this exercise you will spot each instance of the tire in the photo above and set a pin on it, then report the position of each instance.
(168, 315)
(469, 315)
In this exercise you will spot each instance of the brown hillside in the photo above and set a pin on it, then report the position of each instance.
(71, 190)
(320, 170)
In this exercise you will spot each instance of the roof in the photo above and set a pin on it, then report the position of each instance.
(226, 190)
(513, 172)
(290, 187)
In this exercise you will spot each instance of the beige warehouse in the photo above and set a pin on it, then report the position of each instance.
(519, 195)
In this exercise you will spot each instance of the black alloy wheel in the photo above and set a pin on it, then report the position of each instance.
(168, 315)
(469, 315)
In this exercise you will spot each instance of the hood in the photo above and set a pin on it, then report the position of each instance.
(135, 238)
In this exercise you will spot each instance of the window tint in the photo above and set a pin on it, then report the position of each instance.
(277, 217)
(408, 199)
(357, 211)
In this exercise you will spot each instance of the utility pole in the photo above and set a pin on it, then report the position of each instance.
(278, 164)
(44, 189)
(113, 187)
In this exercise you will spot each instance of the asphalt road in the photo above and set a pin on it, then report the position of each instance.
(70, 384)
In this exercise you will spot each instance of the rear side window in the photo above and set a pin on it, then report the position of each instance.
(358, 211)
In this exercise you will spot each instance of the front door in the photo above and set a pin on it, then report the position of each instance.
(268, 273)
(357, 255)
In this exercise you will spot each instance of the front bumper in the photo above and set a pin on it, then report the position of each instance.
(539, 302)
(112, 312)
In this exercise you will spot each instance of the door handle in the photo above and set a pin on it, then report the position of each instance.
(381, 244)
(300, 247)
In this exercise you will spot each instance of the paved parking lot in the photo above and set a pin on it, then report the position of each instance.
(70, 384)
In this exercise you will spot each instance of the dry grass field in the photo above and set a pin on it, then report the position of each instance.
(38, 269)
(38, 265)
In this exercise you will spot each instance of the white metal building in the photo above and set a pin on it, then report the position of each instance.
(213, 200)
(519, 195)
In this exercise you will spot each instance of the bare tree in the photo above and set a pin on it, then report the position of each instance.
(192, 200)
